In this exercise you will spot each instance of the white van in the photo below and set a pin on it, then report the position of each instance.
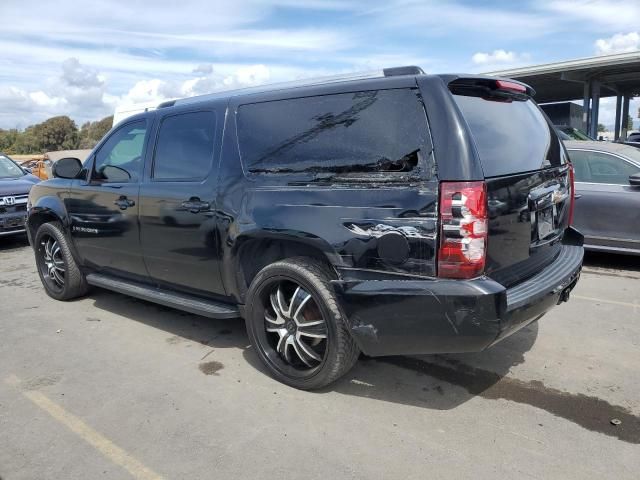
(126, 111)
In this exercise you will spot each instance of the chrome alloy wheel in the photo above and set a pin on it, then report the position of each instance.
(297, 328)
(52, 266)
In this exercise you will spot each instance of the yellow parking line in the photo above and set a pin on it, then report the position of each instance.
(98, 441)
(601, 300)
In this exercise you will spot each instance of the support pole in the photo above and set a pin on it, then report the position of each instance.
(585, 105)
(616, 135)
(625, 115)
(595, 108)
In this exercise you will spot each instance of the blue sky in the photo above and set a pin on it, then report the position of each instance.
(84, 58)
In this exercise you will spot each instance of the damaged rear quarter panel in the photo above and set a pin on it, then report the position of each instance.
(354, 220)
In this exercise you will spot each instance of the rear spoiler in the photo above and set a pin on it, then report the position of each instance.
(494, 85)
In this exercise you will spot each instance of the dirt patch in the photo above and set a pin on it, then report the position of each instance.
(211, 368)
(39, 382)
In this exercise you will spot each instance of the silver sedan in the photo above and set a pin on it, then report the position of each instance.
(607, 208)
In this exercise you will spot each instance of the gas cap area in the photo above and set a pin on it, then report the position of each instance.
(393, 248)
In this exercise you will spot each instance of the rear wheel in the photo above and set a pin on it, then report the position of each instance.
(59, 273)
(296, 325)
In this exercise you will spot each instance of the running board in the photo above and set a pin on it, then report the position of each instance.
(180, 301)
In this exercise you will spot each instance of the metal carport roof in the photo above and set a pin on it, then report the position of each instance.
(586, 78)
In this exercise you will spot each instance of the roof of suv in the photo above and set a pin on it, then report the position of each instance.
(354, 80)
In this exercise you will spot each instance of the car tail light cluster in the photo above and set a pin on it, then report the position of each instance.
(572, 200)
(463, 231)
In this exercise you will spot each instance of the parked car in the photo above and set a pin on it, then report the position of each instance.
(335, 217)
(45, 167)
(573, 133)
(633, 137)
(630, 144)
(607, 211)
(15, 184)
(37, 167)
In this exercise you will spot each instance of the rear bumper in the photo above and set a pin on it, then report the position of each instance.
(402, 317)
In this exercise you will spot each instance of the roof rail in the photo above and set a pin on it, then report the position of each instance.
(408, 70)
(167, 103)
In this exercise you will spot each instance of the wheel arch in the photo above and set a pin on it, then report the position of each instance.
(252, 252)
(44, 210)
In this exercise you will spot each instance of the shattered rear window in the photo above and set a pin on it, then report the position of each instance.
(348, 133)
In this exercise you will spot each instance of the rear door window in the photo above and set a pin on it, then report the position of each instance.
(350, 133)
(511, 135)
(184, 148)
(599, 167)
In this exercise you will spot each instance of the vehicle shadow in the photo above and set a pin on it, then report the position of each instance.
(430, 381)
(216, 333)
(440, 382)
(610, 261)
(13, 242)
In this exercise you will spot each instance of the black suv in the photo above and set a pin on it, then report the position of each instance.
(398, 214)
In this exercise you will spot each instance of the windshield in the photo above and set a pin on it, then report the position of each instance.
(8, 169)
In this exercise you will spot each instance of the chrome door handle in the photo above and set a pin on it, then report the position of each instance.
(123, 203)
(195, 205)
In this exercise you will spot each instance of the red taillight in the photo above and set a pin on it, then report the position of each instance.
(463, 229)
(573, 193)
(511, 86)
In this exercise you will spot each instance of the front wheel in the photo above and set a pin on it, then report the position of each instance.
(296, 325)
(59, 273)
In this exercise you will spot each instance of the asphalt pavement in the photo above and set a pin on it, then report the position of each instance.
(112, 387)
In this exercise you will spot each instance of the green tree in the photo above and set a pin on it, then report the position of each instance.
(629, 122)
(7, 139)
(57, 133)
(26, 142)
(92, 132)
(601, 128)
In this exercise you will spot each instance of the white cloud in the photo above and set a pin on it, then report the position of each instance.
(82, 59)
(77, 91)
(208, 80)
(597, 15)
(618, 43)
(438, 18)
(499, 56)
(77, 75)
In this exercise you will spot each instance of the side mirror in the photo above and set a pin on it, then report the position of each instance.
(67, 168)
(634, 180)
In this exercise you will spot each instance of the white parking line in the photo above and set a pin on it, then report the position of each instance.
(98, 441)
(635, 306)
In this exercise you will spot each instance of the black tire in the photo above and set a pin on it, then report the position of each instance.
(338, 350)
(51, 237)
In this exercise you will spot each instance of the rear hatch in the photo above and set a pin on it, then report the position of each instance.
(526, 172)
